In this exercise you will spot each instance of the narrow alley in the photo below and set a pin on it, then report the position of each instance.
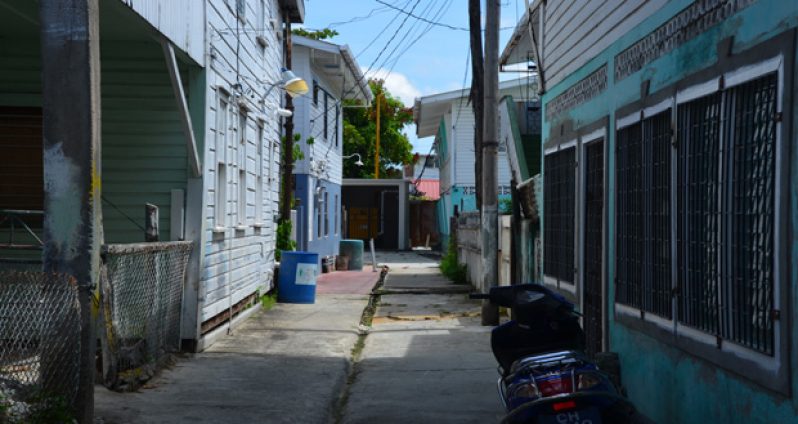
(424, 358)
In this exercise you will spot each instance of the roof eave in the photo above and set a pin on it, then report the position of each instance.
(294, 10)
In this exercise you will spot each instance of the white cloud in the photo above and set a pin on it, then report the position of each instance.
(398, 85)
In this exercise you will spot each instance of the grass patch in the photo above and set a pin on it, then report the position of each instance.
(450, 266)
(268, 300)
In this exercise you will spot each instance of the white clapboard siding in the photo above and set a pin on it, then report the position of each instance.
(573, 30)
(181, 21)
(237, 263)
(309, 121)
(463, 149)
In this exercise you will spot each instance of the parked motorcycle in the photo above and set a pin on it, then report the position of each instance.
(544, 375)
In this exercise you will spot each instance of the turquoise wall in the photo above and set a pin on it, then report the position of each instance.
(667, 384)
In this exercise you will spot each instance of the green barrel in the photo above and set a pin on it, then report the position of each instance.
(352, 249)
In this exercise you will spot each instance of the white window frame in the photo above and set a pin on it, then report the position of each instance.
(221, 161)
(259, 198)
(326, 213)
(241, 204)
(337, 211)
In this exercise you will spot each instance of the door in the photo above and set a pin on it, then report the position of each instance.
(593, 318)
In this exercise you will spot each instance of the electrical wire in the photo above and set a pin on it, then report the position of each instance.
(407, 33)
(424, 31)
(401, 25)
(385, 28)
(439, 24)
(121, 212)
(375, 11)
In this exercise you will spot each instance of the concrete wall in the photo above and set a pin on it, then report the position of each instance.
(668, 377)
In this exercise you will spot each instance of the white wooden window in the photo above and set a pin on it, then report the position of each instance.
(326, 213)
(337, 209)
(220, 189)
(242, 168)
(318, 205)
(259, 179)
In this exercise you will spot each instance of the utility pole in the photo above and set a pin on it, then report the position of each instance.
(70, 51)
(377, 147)
(490, 147)
(287, 189)
(476, 96)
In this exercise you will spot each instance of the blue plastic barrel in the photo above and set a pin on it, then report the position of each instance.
(353, 249)
(297, 281)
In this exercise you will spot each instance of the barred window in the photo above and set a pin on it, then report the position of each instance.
(643, 214)
(752, 176)
(727, 162)
(559, 204)
(698, 235)
(629, 215)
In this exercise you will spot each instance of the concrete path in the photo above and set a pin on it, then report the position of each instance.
(286, 365)
(426, 359)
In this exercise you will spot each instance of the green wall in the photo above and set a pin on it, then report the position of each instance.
(143, 146)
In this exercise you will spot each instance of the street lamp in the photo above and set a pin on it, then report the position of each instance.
(292, 84)
(358, 163)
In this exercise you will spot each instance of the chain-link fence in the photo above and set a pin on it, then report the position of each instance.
(39, 344)
(142, 288)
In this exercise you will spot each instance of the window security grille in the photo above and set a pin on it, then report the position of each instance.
(751, 212)
(594, 220)
(559, 205)
(725, 214)
(643, 215)
(657, 220)
(629, 216)
(698, 262)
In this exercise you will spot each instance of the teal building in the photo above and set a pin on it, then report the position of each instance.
(670, 194)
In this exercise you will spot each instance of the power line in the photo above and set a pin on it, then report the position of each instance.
(374, 40)
(375, 11)
(465, 77)
(440, 24)
(444, 8)
(392, 37)
(390, 56)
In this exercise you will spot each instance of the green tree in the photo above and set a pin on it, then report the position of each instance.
(316, 34)
(360, 129)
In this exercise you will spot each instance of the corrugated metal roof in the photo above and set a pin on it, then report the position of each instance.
(430, 188)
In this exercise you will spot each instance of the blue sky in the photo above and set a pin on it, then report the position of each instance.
(434, 64)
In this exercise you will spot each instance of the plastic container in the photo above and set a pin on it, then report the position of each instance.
(352, 249)
(297, 278)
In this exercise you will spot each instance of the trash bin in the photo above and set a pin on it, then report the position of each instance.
(352, 249)
(297, 279)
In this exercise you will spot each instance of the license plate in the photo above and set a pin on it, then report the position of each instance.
(584, 416)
